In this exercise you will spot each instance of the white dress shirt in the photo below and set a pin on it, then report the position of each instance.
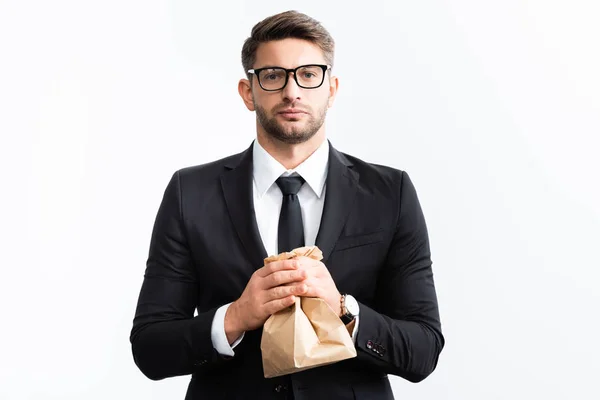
(267, 206)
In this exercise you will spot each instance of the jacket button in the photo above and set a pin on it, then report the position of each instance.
(369, 345)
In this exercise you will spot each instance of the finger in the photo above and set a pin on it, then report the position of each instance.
(312, 273)
(306, 262)
(314, 266)
(280, 292)
(319, 270)
(277, 305)
(314, 291)
(279, 278)
(275, 266)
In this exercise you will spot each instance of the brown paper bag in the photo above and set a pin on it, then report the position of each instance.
(306, 335)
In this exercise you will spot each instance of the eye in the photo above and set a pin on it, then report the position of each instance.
(272, 75)
(309, 74)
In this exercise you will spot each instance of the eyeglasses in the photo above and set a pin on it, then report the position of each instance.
(306, 76)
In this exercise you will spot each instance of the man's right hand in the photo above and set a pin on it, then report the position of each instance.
(270, 289)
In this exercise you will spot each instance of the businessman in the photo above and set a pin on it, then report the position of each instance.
(290, 188)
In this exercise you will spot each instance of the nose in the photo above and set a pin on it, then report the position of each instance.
(291, 91)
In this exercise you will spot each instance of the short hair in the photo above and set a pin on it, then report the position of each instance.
(288, 24)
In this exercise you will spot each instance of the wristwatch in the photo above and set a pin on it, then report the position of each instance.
(350, 308)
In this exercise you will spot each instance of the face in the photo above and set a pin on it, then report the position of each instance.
(293, 114)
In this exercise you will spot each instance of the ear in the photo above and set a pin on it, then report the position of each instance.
(333, 88)
(245, 91)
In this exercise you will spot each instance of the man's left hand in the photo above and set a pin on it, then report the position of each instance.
(320, 283)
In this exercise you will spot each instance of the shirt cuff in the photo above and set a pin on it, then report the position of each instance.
(218, 335)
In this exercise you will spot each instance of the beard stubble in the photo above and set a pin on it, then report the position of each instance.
(293, 134)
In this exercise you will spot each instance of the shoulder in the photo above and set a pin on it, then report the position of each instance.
(387, 185)
(208, 171)
(375, 175)
(383, 182)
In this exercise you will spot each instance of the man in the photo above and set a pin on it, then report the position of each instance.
(218, 222)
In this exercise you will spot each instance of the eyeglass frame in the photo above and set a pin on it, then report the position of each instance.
(324, 67)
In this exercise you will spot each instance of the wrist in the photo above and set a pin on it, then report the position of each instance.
(233, 328)
(350, 326)
(350, 308)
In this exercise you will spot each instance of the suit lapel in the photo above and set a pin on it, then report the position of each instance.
(342, 183)
(237, 190)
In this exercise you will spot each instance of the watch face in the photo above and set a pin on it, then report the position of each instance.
(351, 305)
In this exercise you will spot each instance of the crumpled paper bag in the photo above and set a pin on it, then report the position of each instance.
(306, 335)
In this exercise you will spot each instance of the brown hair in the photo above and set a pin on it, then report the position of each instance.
(288, 24)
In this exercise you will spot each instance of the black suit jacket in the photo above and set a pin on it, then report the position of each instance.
(205, 245)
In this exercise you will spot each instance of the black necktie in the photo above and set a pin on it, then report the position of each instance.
(290, 233)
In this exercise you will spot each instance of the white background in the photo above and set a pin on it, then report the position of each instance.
(492, 107)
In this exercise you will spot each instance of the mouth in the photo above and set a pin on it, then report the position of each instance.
(292, 113)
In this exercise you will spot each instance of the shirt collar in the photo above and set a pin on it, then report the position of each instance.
(267, 169)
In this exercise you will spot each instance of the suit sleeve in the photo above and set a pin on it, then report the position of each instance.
(401, 334)
(167, 339)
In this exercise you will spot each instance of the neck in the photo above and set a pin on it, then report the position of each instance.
(290, 155)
